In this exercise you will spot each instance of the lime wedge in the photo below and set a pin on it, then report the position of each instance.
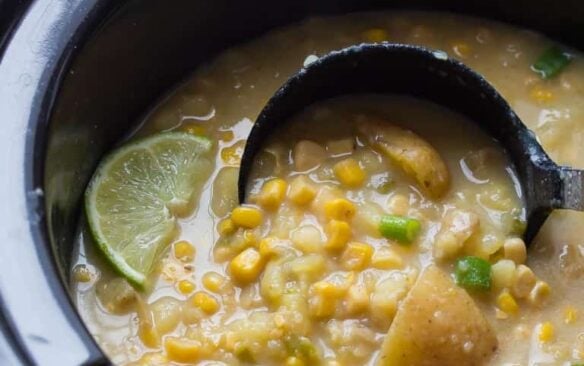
(138, 192)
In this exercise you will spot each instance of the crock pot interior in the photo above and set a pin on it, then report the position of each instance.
(133, 58)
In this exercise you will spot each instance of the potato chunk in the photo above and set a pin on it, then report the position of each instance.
(438, 324)
(414, 155)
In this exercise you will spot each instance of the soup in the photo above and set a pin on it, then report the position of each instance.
(340, 236)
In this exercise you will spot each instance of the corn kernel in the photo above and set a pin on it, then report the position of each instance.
(294, 361)
(357, 299)
(182, 350)
(399, 205)
(327, 289)
(338, 234)
(152, 359)
(186, 287)
(540, 293)
(246, 266)
(349, 173)
(148, 334)
(207, 303)
(272, 194)
(213, 281)
(503, 273)
(541, 94)
(375, 35)
(302, 192)
(356, 256)
(226, 136)
(570, 315)
(515, 249)
(194, 129)
(462, 49)
(546, 332)
(507, 303)
(232, 155)
(321, 307)
(184, 251)
(247, 217)
(523, 281)
(82, 273)
(268, 246)
(226, 227)
(385, 258)
(339, 209)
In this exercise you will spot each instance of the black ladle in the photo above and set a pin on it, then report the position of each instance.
(431, 75)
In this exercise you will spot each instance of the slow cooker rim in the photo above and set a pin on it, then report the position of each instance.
(40, 47)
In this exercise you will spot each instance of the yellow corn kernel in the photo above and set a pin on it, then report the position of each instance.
(268, 247)
(321, 307)
(339, 209)
(247, 217)
(184, 251)
(226, 227)
(327, 289)
(349, 173)
(213, 281)
(523, 281)
(506, 302)
(207, 303)
(540, 293)
(232, 155)
(194, 129)
(186, 287)
(246, 266)
(546, 332)
(541, 95)
(385, 258)
(226, 136)
(357, 299)
(356, 256)
(462, 49)
(376, 35)
(302, 192)
(152, 359)
(82, 274)
(148, 334)
(515, 250)
(182, 350)
(294, 361)
(338, 234)
(570, 315)
(272, 193)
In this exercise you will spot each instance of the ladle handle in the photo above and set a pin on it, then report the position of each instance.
(572, 194)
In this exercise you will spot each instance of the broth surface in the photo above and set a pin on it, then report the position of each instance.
(223, 98)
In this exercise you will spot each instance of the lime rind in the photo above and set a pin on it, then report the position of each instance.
(137, 193)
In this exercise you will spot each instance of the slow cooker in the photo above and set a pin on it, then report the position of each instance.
(74, 77)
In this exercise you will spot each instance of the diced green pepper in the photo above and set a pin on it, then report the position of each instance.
(400, 228)
(551, 62)
(473, 273)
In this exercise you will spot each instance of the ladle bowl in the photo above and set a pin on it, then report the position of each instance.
(432, 75)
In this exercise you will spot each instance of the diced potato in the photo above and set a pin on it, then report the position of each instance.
(272, 282)
(399, 205)
(515, 249)
(166, 313)
(357, 256)
(246, 266)
(340, 147)
(386, 297)
(302, 190)
(224, 197)
(326, 193)
(436, 307)
(416, 157)
(307, 155)
(307, 267)
(272, 194)
(523, 281)
(366, 220)
(457, 227)
(386, 258)
(307, 238)
(357, 299)
(349, 173)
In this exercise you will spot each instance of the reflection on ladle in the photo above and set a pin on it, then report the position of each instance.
(431, 75)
